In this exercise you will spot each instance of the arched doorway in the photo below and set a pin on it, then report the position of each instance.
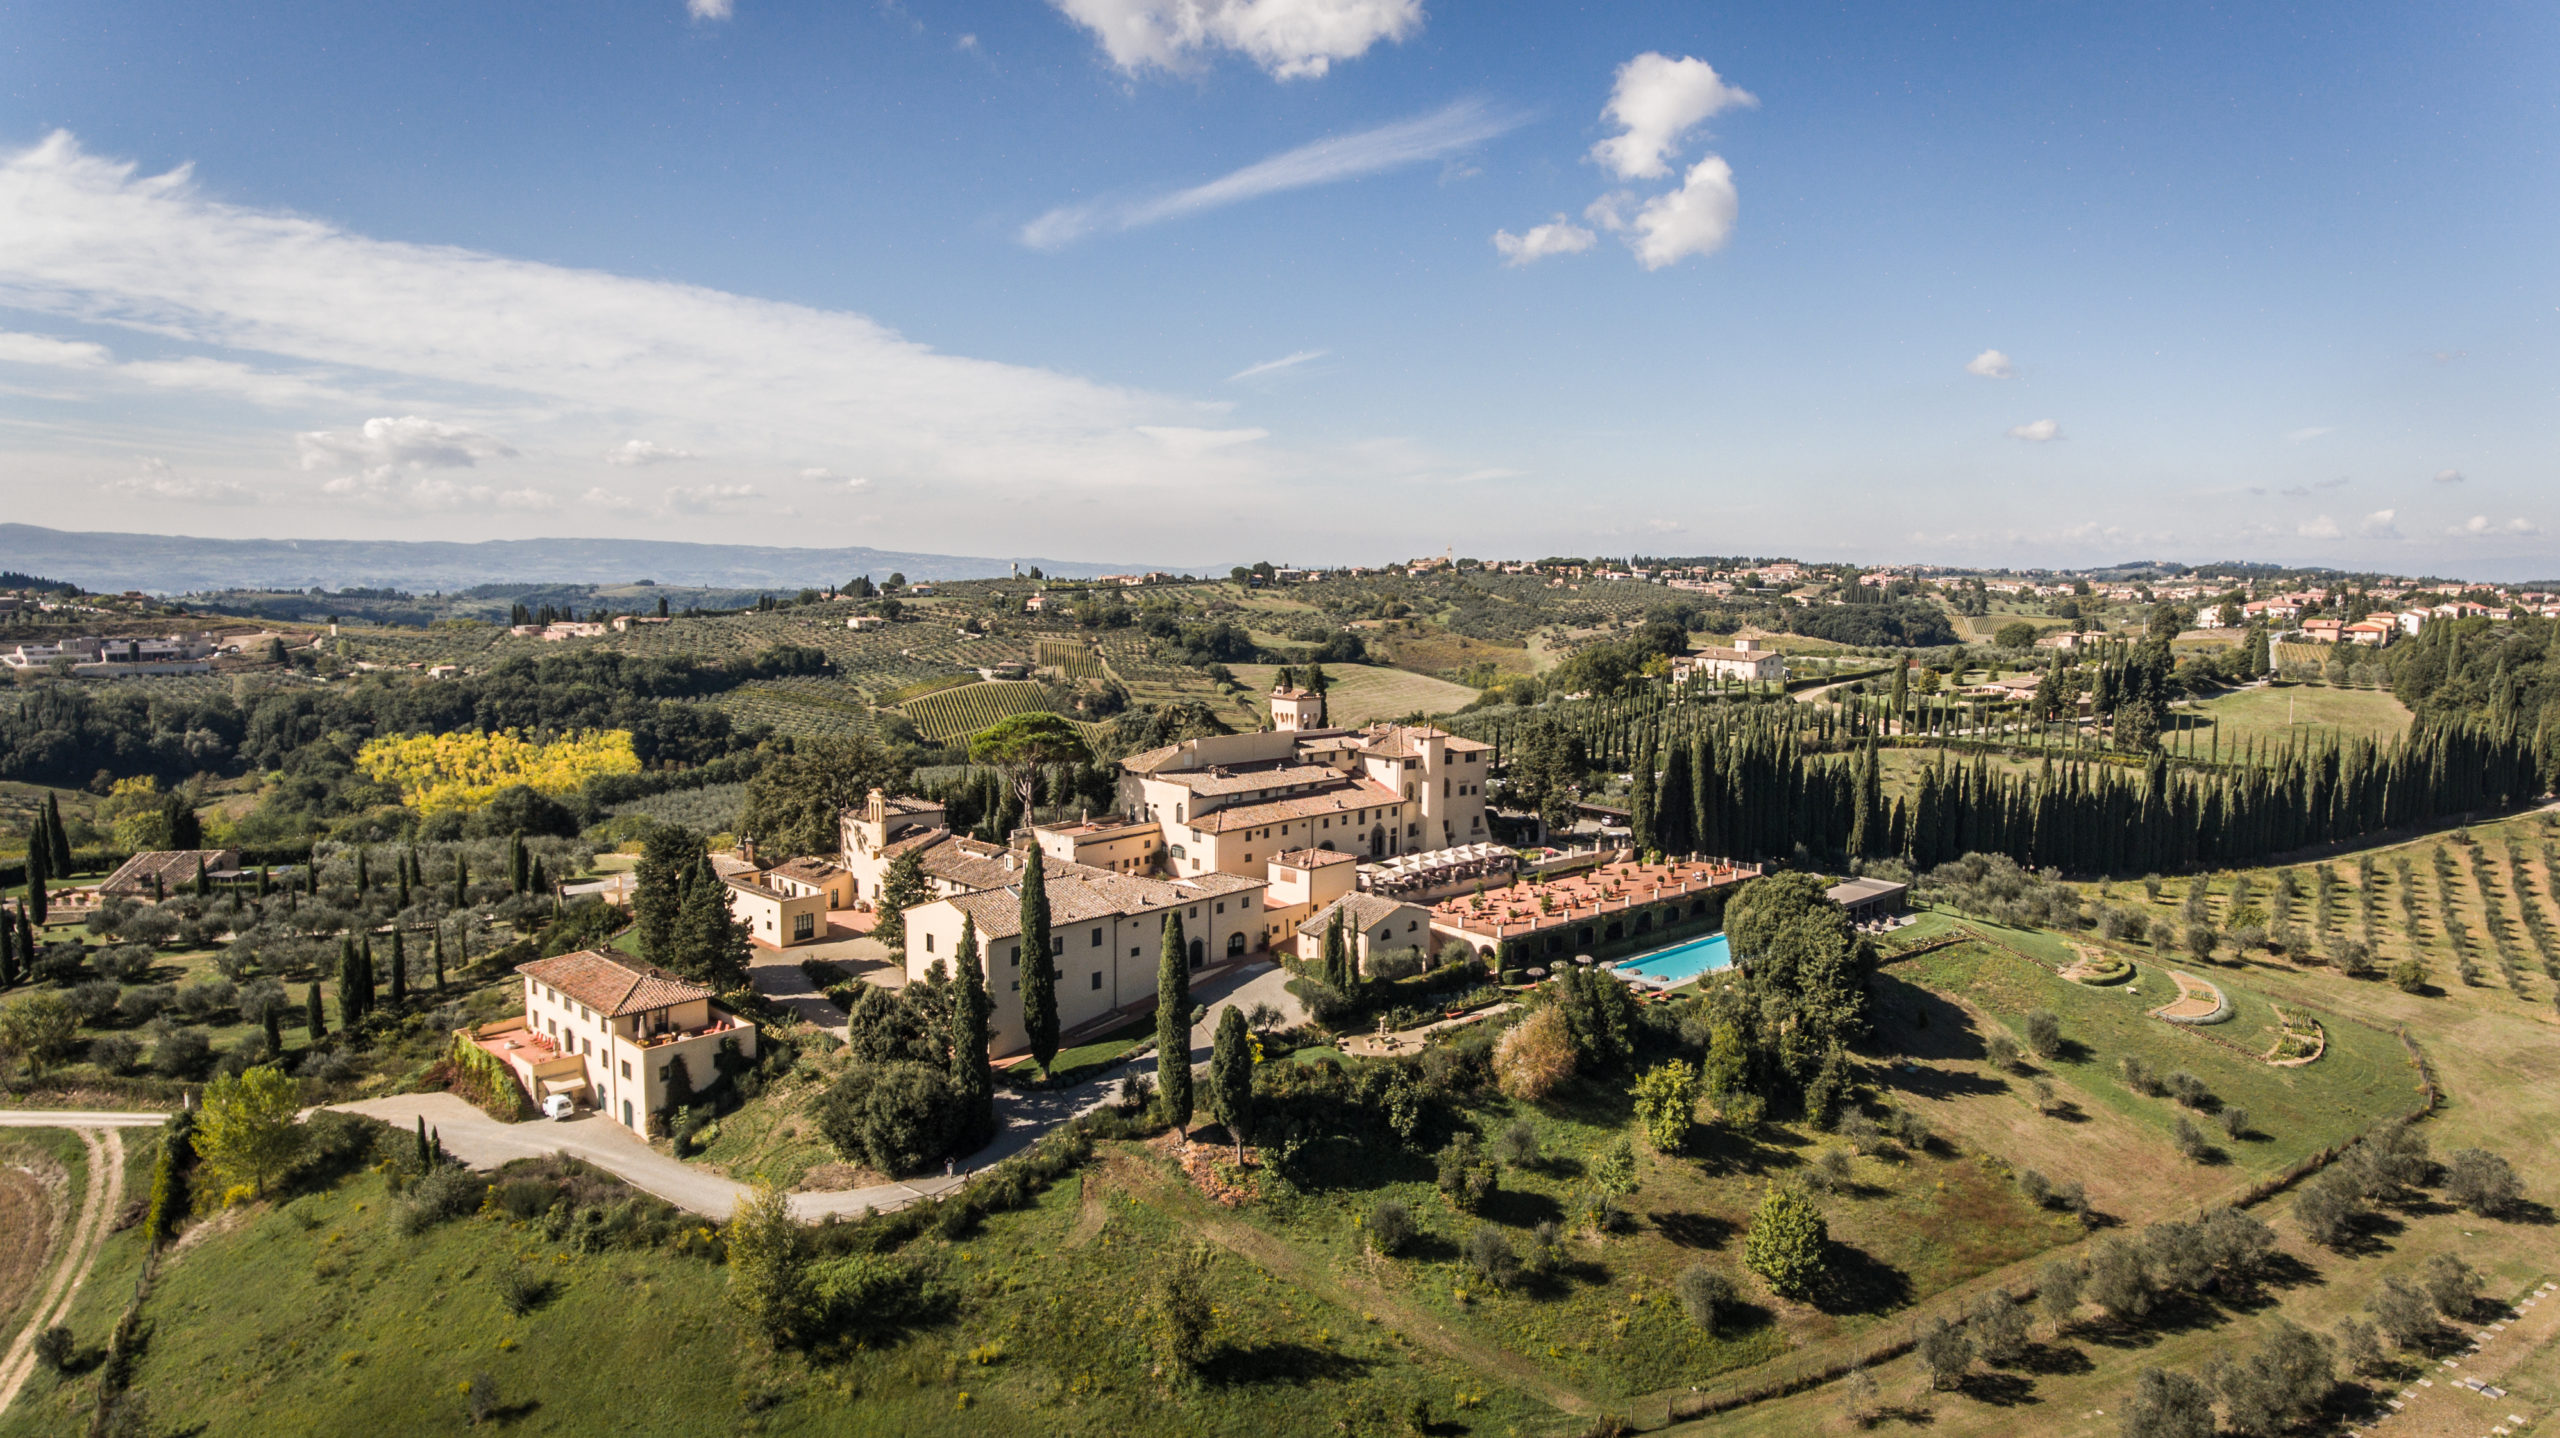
(1199, 951)
(1235, 943)
(1377, 841)
(626, 1113)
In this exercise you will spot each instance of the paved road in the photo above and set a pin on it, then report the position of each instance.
(77, 1118)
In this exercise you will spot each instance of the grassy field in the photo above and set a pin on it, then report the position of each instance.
(2278, 713)
(1364, 693)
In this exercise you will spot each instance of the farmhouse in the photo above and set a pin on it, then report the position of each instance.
(1743, 660)
(158, 873)
(1546, 920)
(609, 1032)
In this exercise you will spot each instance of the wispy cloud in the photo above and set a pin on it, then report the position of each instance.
(2308, 433)
(154, 479)
(632, 453)
(2481, 526)
(1328, 161)
(2448, 476)
(2038, 431)
(710, 9)
(2381, 524)
(1275, 366)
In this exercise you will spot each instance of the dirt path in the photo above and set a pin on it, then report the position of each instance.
(2438, 1406)
(1357, 1295)
(98, 1208)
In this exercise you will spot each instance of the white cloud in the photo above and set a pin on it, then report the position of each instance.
(829, 476)
(409, 442)
(584, 359)
(2481, 526)
(1656, 102)
(632, 453)
(710, 9)
(1695, 219)
(2041, 431)
(52, 353)
(1991, 364)
(1184, 440)
(2308, 433)
(606, 499)
(154, 479)
(2318, 527)
(390, 488)
(1275, 366)
(2448, 476)
(1557, 237)
(2381, 524)
(1339, 157)
(711, 498)
(1292, 39)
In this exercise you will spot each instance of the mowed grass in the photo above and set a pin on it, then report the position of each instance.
(356, 1327)
(1365, 693)
(2279, 713)
(2364, 1077)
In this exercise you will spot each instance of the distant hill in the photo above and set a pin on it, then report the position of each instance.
(180, 564)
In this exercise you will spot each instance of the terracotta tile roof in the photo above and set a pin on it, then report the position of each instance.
(1356, 796)
(1366, 910)
(175, 868)
(613, 986)
(1311, 858)
(745, 883)
(969, 864)
(1252, 778)
(809, 870)
(1079, 893)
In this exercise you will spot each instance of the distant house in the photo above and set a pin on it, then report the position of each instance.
(2373, 632)
(608, 1031)
(866, 621)
(161, 872)
(1868, 899)
(2061, 639)
(777, 917)
(1744, 659)
(2323, 631)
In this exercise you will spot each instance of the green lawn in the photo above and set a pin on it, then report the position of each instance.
(1365, 693)
(2279, 712)
(2365, 1075)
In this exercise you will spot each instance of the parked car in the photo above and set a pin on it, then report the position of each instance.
(559, 1105)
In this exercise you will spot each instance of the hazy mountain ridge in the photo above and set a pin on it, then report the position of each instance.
(179, 564)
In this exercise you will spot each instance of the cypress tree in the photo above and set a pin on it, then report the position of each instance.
(972, 1076)
(204, 880)
(39, 863)
(1336, 964)
(352, 986)
(518, 874)
(1231, 1077)
(462, 880)
(56, 835)
(26, 943)
(399, 970)
(1039, 972)
(403, 862)
(1173, 1026)
(364, 872)
(426, 1155)
(8, 951)
(439, 955)
(313, 1018)
(274, 1024)
(265, 884)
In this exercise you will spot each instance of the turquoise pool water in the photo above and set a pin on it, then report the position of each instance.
(1680, 963)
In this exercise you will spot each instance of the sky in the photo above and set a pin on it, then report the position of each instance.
(1197, 282)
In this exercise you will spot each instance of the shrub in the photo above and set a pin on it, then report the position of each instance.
(1517, 1145)
(897, 1117)
(181, 1053)
(2058, 1290)
(2329, 1209)
(206, 999)
(2404, 1312)
(1945, 1350)
(115, 1054)
(1788, 1242)
(2137, 1075)
(2190, 1090)
(2119, 1281)
(1534, 1055)
(2044, 1034)
(2167, 1405)
(2453, 1285)
(2235, 1122)
(1391, 1227)
(1999, 1327)
(1490, 1254)
(522, 1290)
(2003, 1052)
(2475, 1178)
(1832, 1170)
(1546, 1247)
(2035, 1186)
(444, 1192)
(53, 1348)
(1466, 1177)
(2359, 1345)
(1705, 1295)
(2190, 1141)
(91, 1002)
(526, 1199)
(2410, 976)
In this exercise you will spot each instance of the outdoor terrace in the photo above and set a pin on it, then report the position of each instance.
(1537, 905)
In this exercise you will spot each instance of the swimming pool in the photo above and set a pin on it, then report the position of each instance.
(1678, 964)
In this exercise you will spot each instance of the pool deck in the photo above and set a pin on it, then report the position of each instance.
(1629, 968)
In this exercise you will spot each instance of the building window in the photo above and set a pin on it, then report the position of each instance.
(626, 1068)
(928, 943)
(1013, 957)
(1097, 978)
(1097, 938)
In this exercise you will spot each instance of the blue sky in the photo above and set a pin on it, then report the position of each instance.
(1188, 281)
